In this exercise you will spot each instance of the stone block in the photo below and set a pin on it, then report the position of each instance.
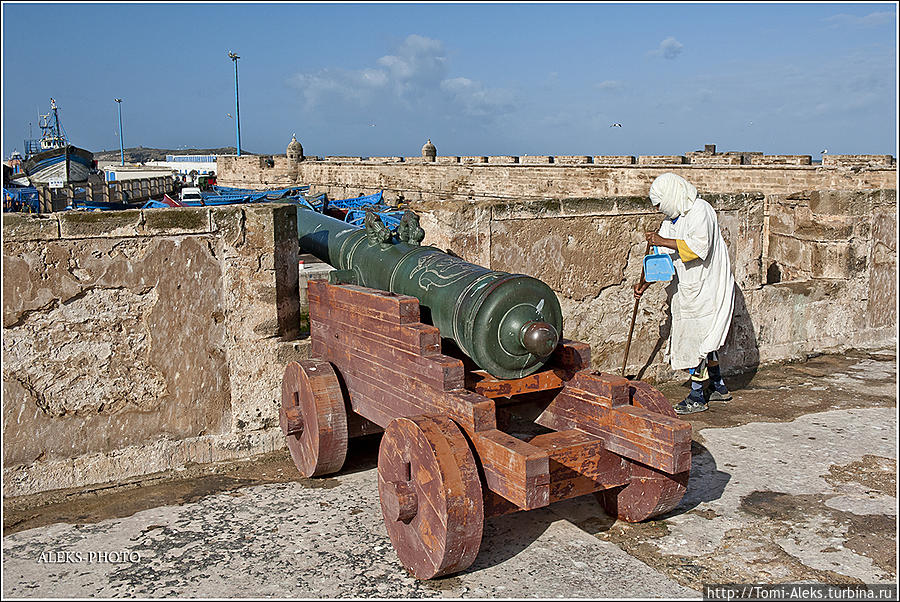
(661, 160)
(445, 160)
(823, 227)
(613, 160)
(526, 209)
(24, 226)
(386, 159)
(884, 232)
(177, 220)
(228, 221)
(842, 202)
(536, 160)
(857, 160)
(473, 159)
(502, 159)
(882, 303)
(781, 160)
(572, 159)
(835, 260)
(100, 224)
(715, 159)
(787, 250)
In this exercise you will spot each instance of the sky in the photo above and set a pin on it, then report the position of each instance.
(378, 79)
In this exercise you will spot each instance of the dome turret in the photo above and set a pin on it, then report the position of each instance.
(294, 149)
(429, 152)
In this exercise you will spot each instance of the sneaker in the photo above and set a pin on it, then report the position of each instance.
(720, 394)
(691, 404)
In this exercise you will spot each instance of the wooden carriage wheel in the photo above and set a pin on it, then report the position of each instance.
(430, 495)
(313, 418)
(650, 492)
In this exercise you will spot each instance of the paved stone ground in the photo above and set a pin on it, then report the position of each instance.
(794, 480)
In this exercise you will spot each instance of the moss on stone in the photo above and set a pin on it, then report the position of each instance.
(179, 219)
(98, 223)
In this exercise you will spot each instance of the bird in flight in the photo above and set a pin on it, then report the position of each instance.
(371, 125)
(616, 125)
(824, 150)
(228, 115)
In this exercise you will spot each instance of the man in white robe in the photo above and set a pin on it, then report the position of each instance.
(704, 300)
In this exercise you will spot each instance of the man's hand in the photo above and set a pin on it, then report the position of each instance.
(639, 289)
(654, 239)
(658, 241)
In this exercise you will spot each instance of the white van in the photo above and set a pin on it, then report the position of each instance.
(191, 196)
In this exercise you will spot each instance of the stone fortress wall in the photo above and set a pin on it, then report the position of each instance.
(804, 238)
(141, 341)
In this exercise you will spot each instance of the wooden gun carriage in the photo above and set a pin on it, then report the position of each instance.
(443, 463)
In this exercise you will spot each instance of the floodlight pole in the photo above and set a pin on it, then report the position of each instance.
(121, 133)
(237, 105)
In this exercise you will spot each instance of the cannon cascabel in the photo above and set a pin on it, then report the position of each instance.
(509, 324)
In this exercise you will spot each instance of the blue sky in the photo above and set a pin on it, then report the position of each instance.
(478, 79)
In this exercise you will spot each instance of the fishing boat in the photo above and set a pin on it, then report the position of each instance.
(52, 157)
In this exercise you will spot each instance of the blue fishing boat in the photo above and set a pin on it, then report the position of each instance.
(52, 157)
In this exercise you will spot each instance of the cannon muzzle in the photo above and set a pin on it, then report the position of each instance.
(509, 324)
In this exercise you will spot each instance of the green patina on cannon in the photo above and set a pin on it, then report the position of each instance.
(508, 324)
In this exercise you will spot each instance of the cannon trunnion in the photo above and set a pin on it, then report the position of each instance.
(445, 462)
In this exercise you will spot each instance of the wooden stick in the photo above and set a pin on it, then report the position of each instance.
(634, 314)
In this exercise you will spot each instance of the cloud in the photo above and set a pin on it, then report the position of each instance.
(609, 84)
(475, 99)
(669, 48)
(870, 20)
(415, 75)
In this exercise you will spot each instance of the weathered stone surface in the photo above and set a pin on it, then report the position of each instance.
(24, 226)
(261, 284)
(576, 258)
(108, 224)
(183, 220)
(111, 344)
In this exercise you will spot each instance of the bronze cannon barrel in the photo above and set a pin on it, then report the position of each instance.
(509, 324)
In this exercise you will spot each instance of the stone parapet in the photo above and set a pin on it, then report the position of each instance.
(573, 159)
(857, 160)
(613, 160)
(661, 160)
(781, 160)
(536, 160)
(701, 159)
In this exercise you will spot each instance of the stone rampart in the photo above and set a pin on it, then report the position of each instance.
(143, 340)
(543, 177)
(138, 341)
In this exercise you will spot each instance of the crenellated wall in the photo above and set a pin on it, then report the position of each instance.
(542, 177)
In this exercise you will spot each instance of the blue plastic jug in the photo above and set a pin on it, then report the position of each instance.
(658, 267)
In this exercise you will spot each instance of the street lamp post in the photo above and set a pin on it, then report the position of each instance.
(237, 106)
(121, 134)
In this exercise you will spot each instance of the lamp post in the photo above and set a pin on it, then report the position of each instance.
(121, 134)
(237, 106)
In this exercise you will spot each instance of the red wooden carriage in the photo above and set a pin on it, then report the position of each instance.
(443, 463)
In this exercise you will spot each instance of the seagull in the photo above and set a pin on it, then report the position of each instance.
(371, 125)
(824, 150)
(616, 125)
(228, 115)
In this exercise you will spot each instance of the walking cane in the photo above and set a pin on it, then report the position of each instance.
(634, 315)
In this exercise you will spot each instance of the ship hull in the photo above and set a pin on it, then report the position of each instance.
(69, 164)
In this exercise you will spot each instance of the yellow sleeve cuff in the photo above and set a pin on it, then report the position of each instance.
(685, 252)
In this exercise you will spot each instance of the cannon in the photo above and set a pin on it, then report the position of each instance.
(442, 356)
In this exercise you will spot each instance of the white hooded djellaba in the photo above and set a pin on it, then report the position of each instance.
(704, 300)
